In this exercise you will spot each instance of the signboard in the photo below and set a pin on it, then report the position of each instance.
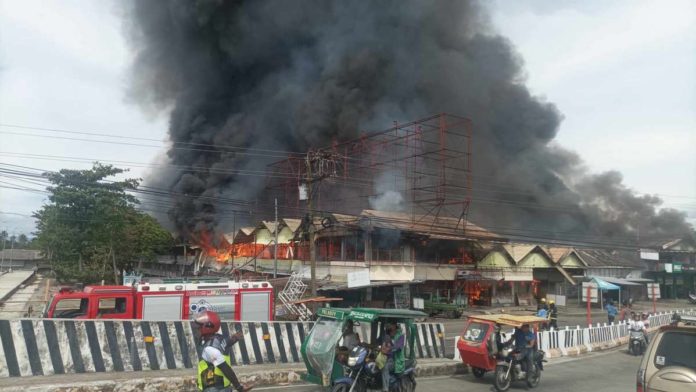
(676, 268)
(418, 303)
(359, 278)
(668, 268)
(468, 274)
(653, 287)
(302, 192)
(594, 295)
(402, 297)
(649, 255)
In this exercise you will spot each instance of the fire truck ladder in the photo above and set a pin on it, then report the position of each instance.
(293, 292)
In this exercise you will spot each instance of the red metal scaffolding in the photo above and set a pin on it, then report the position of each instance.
(421, 167)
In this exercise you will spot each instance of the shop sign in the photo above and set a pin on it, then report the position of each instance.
(649, 255)
(468, 274)
(667, 267)
(594, 295)
(359, 278)
(676, 268)
(688, 267)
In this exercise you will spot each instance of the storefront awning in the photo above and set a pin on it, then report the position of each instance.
(604, 285)
(620, 282)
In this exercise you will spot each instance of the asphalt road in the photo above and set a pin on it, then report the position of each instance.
(612, 371)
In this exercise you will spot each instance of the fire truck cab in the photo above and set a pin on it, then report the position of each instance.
(247, 301)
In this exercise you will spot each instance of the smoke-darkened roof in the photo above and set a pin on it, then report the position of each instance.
(606, 258)
(437, 227)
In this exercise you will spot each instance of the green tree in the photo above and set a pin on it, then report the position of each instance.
(90, 229)
(22, 241)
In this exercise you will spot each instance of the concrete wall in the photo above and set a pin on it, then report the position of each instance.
(45, 347)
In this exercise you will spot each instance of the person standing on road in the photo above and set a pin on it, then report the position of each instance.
(553, 315)
(611, 311)
(215, 373)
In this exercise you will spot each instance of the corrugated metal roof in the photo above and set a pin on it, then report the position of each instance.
(428, 225)
(556, 253)
(21, 254)
(605, 258)
(270, 225)
(292, 224)
(518, 251)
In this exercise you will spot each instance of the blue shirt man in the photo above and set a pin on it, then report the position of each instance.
(524, 342)
(611, 312)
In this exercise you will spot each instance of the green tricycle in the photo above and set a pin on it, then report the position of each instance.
(337, 359)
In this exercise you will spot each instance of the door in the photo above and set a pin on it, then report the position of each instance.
(255, 306)
(113, 307)
(162, 307)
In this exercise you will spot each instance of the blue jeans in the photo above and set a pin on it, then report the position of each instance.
(527, 357)
(386, 374)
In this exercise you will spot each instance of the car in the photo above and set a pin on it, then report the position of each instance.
(669, 363)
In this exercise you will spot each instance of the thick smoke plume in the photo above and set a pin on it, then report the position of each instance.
(289, 75)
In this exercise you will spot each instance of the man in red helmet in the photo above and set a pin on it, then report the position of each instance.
(215, 372)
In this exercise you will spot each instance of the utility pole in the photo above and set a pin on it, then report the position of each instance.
(275, 246)
(2, 261)
(312, 252)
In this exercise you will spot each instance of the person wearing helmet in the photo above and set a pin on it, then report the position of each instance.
(215, 373)
(553, 315)
(541, 304)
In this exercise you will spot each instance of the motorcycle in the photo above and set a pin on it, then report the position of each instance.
(510, 368)
(636, 342)
(363, 375)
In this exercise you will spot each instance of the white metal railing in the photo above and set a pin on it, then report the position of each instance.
(566, 338)
(571, 338)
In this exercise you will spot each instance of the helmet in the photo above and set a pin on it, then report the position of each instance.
(552, 302)
(543, 300)
(208, 322)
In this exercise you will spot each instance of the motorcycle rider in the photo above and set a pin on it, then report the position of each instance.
(393, 348)
(215, 373)
(525, 342)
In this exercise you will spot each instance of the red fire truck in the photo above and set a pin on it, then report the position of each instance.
(240, 301)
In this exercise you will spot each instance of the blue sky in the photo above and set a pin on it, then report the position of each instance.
(623, 73)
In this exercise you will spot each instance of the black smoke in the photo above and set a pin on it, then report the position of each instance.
(288, 75)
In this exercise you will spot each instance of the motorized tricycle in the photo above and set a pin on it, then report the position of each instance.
(484, 347)
(332, 365)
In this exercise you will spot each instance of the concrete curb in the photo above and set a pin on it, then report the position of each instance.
(11, 292)
(187, 382)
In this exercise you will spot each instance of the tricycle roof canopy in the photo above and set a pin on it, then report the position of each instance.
(368, 314)
(510, 319)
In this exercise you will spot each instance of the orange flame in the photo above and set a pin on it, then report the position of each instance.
(222, 251)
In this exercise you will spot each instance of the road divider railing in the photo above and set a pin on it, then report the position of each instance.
(36, 347)
(574, 341)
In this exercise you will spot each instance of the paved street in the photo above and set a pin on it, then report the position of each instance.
(613, 371)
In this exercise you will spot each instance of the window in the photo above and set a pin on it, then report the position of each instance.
(71, 308)
(111, 306)
(476, 332)
(676, 349)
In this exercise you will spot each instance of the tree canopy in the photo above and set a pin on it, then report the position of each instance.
(91, 229)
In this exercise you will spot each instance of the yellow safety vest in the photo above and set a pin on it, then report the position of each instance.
(208, 374)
